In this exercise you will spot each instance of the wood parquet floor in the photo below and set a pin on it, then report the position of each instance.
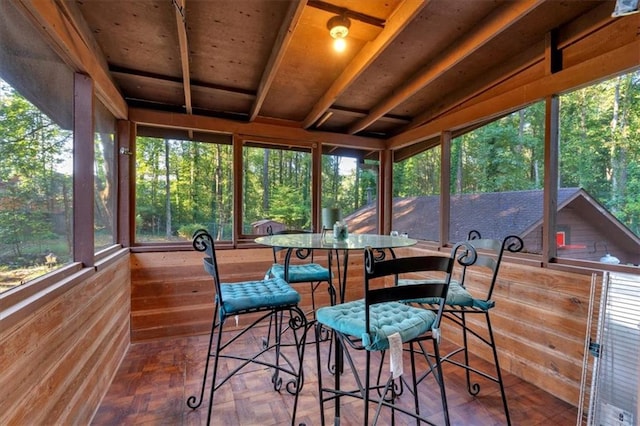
(156, 378)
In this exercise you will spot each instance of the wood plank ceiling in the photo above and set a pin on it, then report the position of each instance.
(407, 62)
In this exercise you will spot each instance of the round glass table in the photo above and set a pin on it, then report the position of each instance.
(326, 241)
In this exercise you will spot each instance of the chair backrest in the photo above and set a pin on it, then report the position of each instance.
(463, 253)
(203, 241)
(489, 255)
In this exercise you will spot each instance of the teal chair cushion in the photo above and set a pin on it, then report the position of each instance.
(249, 295)
(456, 296)
(301, 273)
(386, 319)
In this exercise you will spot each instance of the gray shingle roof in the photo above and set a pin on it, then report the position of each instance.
(494, 214)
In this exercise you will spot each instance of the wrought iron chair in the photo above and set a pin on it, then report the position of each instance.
(461, 302)
(301, 269)
(263, 299)
(384, 321)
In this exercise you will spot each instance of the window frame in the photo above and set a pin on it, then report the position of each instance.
(239, 143)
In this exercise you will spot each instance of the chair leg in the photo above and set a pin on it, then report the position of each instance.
(276, 379)
(318, 330)
(498, 370)
(367, 384)
(304, 325)
(414, 381)
(193, 401)
(440, 379)
(474, 388)
(216, 359)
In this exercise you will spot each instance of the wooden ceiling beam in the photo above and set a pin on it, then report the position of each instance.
(358, 113)
(166, 81)
(181, 11)
(485, 31)
(80, 56)
(257, 130)
(277, 55)
(405, 13)
(328, 7)
(503, 73)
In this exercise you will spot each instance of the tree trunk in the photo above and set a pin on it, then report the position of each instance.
(167, 191)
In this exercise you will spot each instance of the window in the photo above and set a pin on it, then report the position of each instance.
(36, 167)
(104, 176)
(182, 186)
(416, 195)
(351, 185)
(497, 179)
(599, 176)
(276, 188)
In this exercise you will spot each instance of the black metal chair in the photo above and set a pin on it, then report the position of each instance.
(384, 321)
(461, 302)
(265, 299)
(301, 268)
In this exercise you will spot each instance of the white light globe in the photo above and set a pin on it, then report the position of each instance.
(339, 44)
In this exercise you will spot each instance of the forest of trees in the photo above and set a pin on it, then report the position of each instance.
(182, 185)
(276, 183)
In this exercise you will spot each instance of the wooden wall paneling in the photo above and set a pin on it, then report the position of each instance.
(79, 371)
(60, 359)
(43, 340)
(172, 294)
(100, 312)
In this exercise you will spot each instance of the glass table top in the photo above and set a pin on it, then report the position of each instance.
(328, 242)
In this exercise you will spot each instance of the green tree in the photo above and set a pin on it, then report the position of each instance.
(34, 192)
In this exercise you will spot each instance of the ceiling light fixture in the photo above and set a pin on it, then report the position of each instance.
(338, 29)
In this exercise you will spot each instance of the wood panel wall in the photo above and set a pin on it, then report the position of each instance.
(172, 295)
(58, 362)
(539, 320)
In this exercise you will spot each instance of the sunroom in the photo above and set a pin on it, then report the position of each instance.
(127, 125)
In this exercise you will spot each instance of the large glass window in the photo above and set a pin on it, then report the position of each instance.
(36, 140)
(599, 207)
(104, 176)
(416, 195)
(497, 179)
(276, 189)
(181, 186)
(350, 192)
(36, 191)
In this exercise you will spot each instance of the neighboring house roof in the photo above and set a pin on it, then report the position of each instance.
(493, 214)
(263, 222)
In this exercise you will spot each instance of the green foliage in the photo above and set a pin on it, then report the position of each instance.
(36, 188)
(199, 188)
(187, 231)
(600, 144)
(505, 155)
(418, 175)
(288, 206)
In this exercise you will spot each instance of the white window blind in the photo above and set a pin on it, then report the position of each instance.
(614, 398)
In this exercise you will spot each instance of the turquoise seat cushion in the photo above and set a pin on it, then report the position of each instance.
(301, 273)
(386, 319)
(255, 295)
(456, 296)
